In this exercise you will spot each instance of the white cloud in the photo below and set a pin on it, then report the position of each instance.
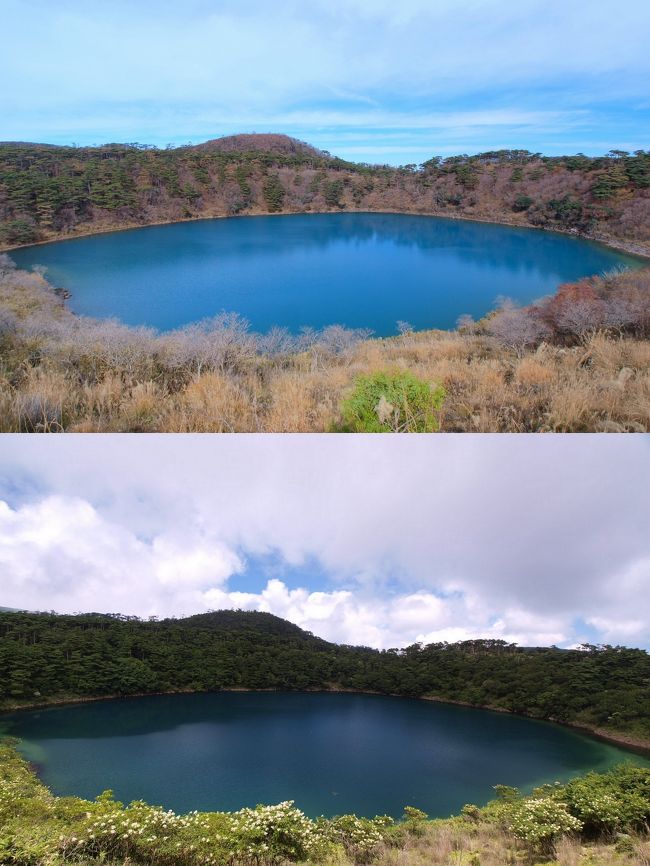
(60, 553)
(418, 537)
(202, 69)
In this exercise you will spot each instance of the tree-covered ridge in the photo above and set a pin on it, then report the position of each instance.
(48, 191)
(45, 656)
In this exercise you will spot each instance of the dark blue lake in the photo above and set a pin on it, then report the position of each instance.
(331, 753)
(355, 269)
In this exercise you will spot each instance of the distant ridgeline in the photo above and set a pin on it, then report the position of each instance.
(48, 656)
(49, 192)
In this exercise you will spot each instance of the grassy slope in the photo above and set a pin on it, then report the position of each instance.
(80, 379)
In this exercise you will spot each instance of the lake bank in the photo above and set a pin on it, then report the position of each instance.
(633, 248)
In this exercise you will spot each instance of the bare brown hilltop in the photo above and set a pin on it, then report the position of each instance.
(263, 142)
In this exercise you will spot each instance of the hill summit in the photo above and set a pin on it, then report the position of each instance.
(259, 142)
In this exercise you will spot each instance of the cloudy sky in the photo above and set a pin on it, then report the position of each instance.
(375, 540)
(370, 80)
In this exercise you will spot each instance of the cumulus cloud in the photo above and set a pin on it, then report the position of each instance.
(59, 552)
(535, 539)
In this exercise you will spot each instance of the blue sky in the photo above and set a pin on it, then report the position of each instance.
(369, 80)
(370, 540)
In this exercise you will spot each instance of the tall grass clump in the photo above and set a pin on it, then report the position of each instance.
(392, 402)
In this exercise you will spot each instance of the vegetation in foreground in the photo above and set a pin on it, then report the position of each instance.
(48, 658)
(597, 819)
(51, 192)
(578, 361)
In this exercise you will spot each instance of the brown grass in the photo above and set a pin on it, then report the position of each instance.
(454, 843)
(55, 383)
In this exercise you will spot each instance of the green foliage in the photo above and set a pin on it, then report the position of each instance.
(274, 193)
(190, 192)
(395, 402)
(39, 829)
(617, 801)
(18, 231)
(242, 174)
(360, 837)
(637, 168)
(609, 181)
(332, 192)
(567, 210)
(522, 202)
(598, 804)
(46, 657)
(46, 190)
(541, 821)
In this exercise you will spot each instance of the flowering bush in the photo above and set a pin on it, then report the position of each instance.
(619, 800)
(38, 829)
(360, 836)
(264, 835)
(275, 833)
(542, 820)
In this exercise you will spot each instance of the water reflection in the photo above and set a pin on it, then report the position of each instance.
(360, 270)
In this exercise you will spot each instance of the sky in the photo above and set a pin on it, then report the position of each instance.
(368, 80)
(374, 540)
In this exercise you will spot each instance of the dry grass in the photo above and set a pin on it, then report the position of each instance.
(454, 843)
(53, 384)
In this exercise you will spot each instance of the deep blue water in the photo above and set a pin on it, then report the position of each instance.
(359, 270)
(331, 753)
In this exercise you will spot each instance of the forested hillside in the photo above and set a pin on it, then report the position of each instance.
(49, 192)
(48, 656)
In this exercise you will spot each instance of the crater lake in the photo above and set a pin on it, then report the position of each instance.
(332, 753)
(360, 270)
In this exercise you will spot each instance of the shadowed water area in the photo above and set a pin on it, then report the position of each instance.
(354, 269)
(331, 753)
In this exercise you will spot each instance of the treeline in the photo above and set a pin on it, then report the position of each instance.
(48, 191)
(45, 656)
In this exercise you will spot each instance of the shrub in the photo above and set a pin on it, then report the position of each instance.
(540, 821)
(396, 402)
(522, 202)
(616, 801)
(360, 837)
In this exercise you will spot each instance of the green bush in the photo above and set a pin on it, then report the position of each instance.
(522, 202)
(395, 402)
(540, 821)
(616, 801)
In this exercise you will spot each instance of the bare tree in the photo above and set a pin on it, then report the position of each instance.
(517, 327)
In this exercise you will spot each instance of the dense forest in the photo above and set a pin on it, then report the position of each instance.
(50, 192)
(45, 656)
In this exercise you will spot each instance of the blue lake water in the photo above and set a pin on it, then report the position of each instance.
(331, 753)
(360, 270)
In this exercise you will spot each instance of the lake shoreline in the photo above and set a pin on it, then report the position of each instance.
(629, 742)
(638, 250)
